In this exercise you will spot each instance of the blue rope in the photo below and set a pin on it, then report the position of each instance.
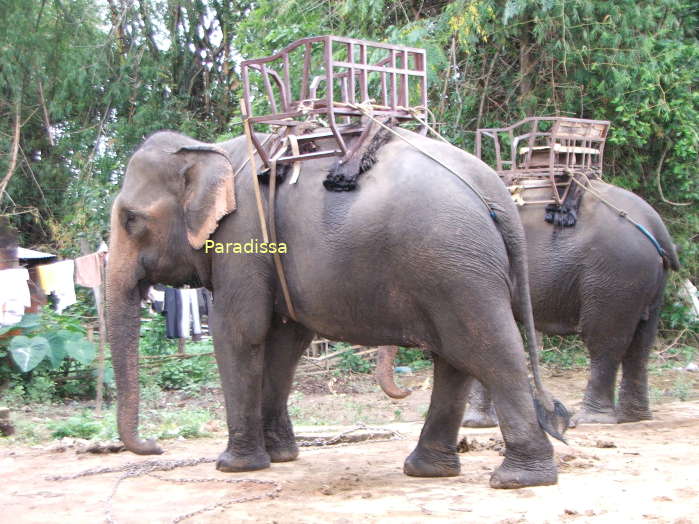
(624, 214)
(650, 237)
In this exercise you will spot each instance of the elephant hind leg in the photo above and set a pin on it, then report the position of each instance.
(497, 359)
(285, 344)
(607, 338)
(435, 454)
(633, 403)
(480, 412)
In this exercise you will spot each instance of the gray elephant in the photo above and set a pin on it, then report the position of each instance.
(602, 279)
(411, 257)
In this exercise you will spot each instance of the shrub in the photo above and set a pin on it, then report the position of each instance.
(186, 373)
(81, 426)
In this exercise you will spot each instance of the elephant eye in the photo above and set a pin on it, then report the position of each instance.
(131, 220)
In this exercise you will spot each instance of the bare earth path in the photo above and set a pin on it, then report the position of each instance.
(652, 475)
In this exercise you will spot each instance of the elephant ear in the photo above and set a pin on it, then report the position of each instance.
(209, 191)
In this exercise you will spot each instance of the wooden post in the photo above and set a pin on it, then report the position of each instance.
(98, 293)
(181, 344)
(102, 323)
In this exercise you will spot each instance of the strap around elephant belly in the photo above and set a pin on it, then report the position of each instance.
(279, 268)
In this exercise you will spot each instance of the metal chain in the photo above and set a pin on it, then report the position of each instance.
(140, 469)
(276, 490)
(148, 467)
(320, 442)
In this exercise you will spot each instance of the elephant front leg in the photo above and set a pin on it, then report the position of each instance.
(435, 454)
(480, 412)
(240, 365)
(285, 345)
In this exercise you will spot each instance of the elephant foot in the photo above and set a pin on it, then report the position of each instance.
(511, 476)
(280, 441)
(229, 462)
(281, 453)
(632, 415)
(430, 463)
(474, 418)
(593, 417)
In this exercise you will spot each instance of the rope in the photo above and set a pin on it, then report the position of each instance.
(245, 163)
(622, 214)
(365, 109)
(253, 167)
(414, 112)
(278, 266)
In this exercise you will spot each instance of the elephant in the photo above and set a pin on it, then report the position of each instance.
(413, 256)
(602, 279)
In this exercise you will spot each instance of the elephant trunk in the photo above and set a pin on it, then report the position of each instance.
(384, 372)
(123, 325)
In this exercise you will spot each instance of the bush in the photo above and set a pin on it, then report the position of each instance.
(186, 373)
(355, 363)
(153, 340)
(412, 357)
(81, 426)
(564, 352)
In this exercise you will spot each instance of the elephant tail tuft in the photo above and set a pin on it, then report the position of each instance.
(555, 421)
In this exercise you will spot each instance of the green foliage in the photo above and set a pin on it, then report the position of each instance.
(682, 388)
(185, 423)
(79, 426)
(173, 373)
(53, 337)
(186, 374)
(41, 390)
(413, 358)
(27, 352)
(351, 362)
(564, 352)
(50, 358)
(153, 340)
(355, 363)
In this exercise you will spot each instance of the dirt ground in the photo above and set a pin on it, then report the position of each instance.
(640, 472)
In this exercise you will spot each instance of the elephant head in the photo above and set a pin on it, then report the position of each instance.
(174, 193)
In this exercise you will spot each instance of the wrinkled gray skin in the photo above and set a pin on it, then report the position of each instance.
(411, 258)
(604, 280)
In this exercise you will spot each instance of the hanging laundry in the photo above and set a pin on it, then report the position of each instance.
(190, 321)
(206, 307)
(204, 298)
(15, 295)
(88, 270)
(57, 278)
(173, 313)
(156, 297)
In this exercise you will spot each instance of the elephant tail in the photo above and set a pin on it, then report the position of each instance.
(551, 413)
(670, 259)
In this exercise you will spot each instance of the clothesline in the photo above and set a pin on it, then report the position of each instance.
(183, 308)
(57, 279)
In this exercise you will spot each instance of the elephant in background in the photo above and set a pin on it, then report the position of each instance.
(602, 279)
(411, 257)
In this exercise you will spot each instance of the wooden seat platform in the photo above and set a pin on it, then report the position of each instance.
(549, 149)
(332, 80)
